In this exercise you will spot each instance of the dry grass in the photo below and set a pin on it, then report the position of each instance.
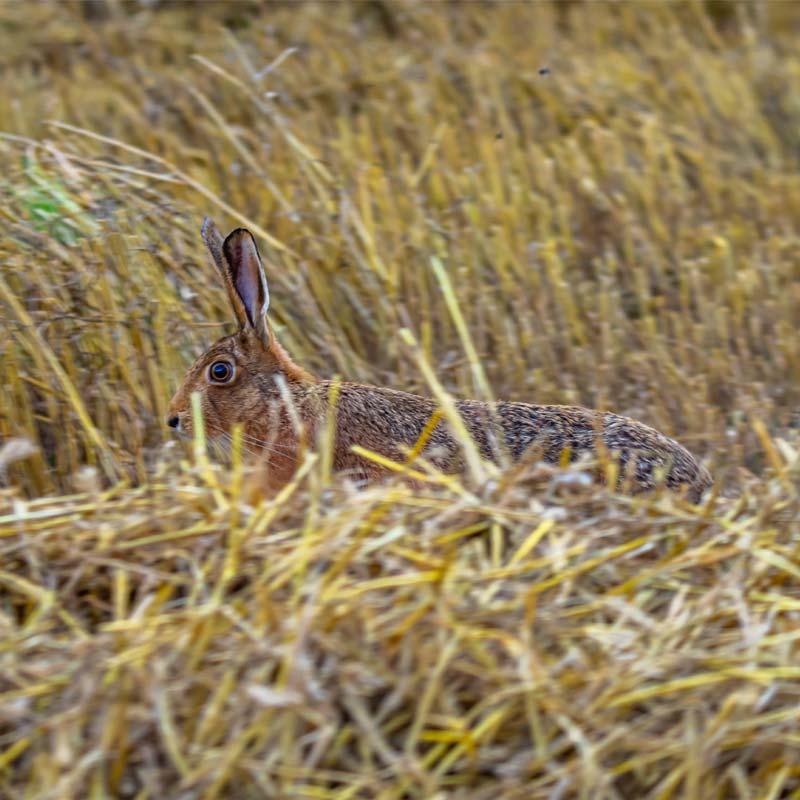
(612, 195)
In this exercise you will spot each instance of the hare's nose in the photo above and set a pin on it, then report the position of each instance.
(173, 422)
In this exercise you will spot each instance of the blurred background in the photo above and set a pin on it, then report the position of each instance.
(612, 189)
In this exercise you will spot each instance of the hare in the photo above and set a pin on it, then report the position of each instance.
(250, 380)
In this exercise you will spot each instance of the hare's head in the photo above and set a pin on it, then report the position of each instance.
(238, 376)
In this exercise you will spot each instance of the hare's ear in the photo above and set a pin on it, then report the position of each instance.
(213, 239)
(247, 280)
(214, 242)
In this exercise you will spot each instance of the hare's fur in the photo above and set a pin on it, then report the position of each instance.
(276, 402)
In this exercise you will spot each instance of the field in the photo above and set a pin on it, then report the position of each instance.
(560, 203)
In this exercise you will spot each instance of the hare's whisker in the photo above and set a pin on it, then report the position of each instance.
(246, 442)
(245, 437)
(255, 445)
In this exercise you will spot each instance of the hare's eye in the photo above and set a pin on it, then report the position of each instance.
(220, 372)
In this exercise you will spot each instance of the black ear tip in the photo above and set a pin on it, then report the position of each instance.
(237, 233)
(238, 238)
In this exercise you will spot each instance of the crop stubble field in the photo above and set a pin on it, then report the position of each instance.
(611, 192)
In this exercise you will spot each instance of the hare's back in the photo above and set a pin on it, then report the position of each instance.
(554, 429)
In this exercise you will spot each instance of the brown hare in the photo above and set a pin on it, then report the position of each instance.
(250, 380)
